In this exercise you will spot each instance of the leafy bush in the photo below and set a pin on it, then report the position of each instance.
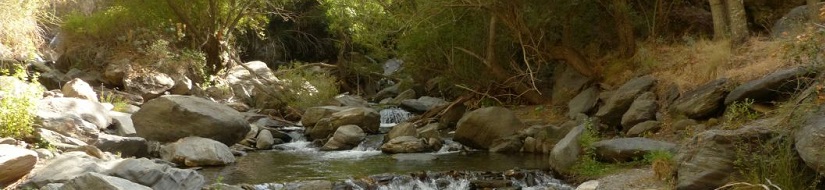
(739, 113)
(17, 104)
(306, 88)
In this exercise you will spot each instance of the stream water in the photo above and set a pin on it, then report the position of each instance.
(299, 161)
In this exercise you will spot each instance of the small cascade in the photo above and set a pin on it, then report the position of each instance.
(465, 180)
(368, 148)
(392, 116)
(371, 143)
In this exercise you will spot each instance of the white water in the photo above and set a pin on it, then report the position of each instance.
(392, 116)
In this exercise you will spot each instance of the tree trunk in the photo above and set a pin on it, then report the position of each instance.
(813, 11)
(212, 51)
(720, 19)
(624, 28)
(738, 21)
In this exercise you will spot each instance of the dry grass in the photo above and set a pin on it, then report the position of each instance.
(20, 33)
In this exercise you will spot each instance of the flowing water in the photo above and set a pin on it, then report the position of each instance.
(392, 116)
(300, 161)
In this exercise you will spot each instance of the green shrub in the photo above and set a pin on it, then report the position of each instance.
(118, 102)
(17, 104)
(306, 88)
(588, 166)
(739, 113)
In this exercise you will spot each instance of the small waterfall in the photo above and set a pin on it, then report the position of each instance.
(394, 115)
(464, 180)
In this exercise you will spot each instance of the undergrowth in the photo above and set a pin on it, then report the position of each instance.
(739, 113)
(305, 87)
(588, 166)
(18, 101)
(118, 102)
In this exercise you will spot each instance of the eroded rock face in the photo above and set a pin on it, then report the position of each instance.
(706, 162)
(172, 117)
(346, 137)
(702, 102)
(15, 162)
(772, 86)
(620, 100)
(197, 151)
(480, 128)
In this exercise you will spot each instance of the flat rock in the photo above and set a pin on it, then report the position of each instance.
(628, 149)
(97, 181)
(768, 88)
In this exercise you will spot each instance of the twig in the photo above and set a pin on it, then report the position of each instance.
(479, 93)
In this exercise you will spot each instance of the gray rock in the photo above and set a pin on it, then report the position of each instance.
(402, 129)
(404, 144)
(568, 83)
(97, 181)
(793, 23)
(69, 165)
(345, 137)
(567, 151)
(428, 131)
(15, 163)
(774, 85)
(684, 124)
(530, 145)
(628, 149)
(77, 88)
(123, 124)
(197, 151)
(480, 128)
(702, 102)
(126, 146)
(351, 101)
(253, 87)
(619, 101)
(8, 141)
(423, 104)
(809, 140)
(264, 141)
(89, 111)
(115, 72)
(52, 186)
(310, 185)
(644, 127)
(169, 118)
(45, 154)
(643, 109)
(149, 85)
(314, 114)
(366, 118)
(706, 161)
(584, 102)
(157, 176)
(71, 126)
(58, 140)
(386, 93)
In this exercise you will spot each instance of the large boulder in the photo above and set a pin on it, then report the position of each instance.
(584, 102)
(775, 85)
(568, 83)
(423, 104)
(125, 146)
(314, 114)
(58, 140)
(77, 88)
(366, 118)
(65, 167)
(480, 128)
(404, 144)
(567, 151)
(183, 85)
(15, 163)
(97, 181)
(70, 125)
(89, 111)
(116, 71)
(643, 109)
(149, 85)
(123, 124)
(620, 100)
(702, 102)
(345, 137)
(793, 23)
(169, 118)
(707, 160)
(809, 140)
(628, 149)
(197, 151)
